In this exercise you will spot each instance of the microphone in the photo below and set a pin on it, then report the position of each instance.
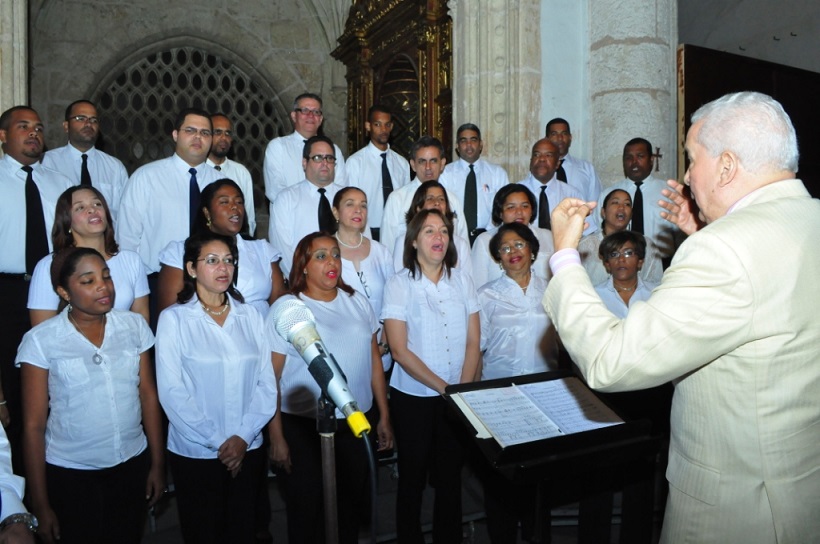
(296, 324)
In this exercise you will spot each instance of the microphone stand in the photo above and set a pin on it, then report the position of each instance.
(326, 426)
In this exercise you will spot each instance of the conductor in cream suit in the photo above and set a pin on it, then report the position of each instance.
(734, 324)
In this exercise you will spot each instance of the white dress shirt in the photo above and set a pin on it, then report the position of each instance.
(437, 316)
(254, 277)
(463, 262)
(346, 325)
(393, 222)
(108, 174)
(294, 215)
(517, 336)
(486, 269)
(614, 302)
(51, 185)
(581, 175)
(127, 272)
(283, 165)
(213, 382)
(155, 207)
(652, 270)
(489, 179)
(95, 415)
(556, 192)
(11, 485)
(364, 170)
(665, 235)
(238, 173)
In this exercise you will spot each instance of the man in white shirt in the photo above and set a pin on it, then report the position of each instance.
(376, 169)
(576, 172)
(283, 156)
(428, 163)
(16, 524)
(227, 168)
(473, 180)
(300, 209)
(81, 162)
(638, 162)
(544, 184)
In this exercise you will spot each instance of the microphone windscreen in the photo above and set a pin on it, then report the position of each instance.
(289, 312)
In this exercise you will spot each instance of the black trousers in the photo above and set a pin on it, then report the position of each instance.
(213, 506)
(429, 442)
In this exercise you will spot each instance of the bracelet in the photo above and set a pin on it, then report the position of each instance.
(3, 402)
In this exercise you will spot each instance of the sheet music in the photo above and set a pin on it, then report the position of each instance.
(571, 405)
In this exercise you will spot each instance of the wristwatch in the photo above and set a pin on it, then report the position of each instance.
(29, 520)
(385, 347)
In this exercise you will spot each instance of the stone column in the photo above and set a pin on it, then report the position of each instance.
(497, 77)
(632, 54)
(13, 53)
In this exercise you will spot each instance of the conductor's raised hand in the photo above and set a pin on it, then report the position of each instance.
(569, 221)
(681, 208)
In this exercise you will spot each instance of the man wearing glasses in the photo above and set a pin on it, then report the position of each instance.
(81, 162)
(283, 156)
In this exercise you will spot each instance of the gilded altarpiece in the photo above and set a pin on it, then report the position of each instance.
(398, 53)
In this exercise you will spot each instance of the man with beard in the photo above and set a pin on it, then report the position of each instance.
(30, 193)
(226, 168)
(376, 169)
(81, 162)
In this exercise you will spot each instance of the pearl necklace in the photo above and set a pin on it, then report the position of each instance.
(96, 358)
(626, 288)
(217, 312)
(357, 246)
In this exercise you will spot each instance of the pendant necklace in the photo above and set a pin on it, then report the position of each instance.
(96, 358)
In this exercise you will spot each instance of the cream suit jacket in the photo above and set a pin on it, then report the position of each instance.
(736, 324)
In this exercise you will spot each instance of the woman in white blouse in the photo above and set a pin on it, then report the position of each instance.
(431, 316)
(218, 390)
(347, 325)
(82, 219)
(259, 277)
(623, 255)
(93, 441)
(366, 264)
(513, 203)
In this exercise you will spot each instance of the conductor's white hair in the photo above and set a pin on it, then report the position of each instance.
(752, 125)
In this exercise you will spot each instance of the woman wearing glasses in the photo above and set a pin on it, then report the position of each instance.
(218, 390)
(623, 256)
(366, 264)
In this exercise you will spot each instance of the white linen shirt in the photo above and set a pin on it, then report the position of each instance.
(463, 261)
(556, 192)
(613, 301)
(130, 282)
(283, 165)
(581, 175)
(155, 207)
(364, 170)
(517, 336)
(108, 174)
(346, 326)
(294, 215)
(253, 280)
(51, 185)
(437, 316)
(95, 415)
(238, 173)
(486, 269)
(213, 382)
(665, 235)
(489, 179)
(652, 270)
(394, 224)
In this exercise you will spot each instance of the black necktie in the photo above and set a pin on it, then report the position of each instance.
(637, 209)
(85, 177)
(471, 201)
(325, 214)
(36, 237)
(561, 174)
(543, 209)
(387, 181)
(193, 197)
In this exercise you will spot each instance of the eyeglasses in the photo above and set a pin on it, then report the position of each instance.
(363, 281)
(85, 119)
(213, 260)
(330, 159)
(308, 111)
(191, 131)
(626, 254)
(518, 244)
